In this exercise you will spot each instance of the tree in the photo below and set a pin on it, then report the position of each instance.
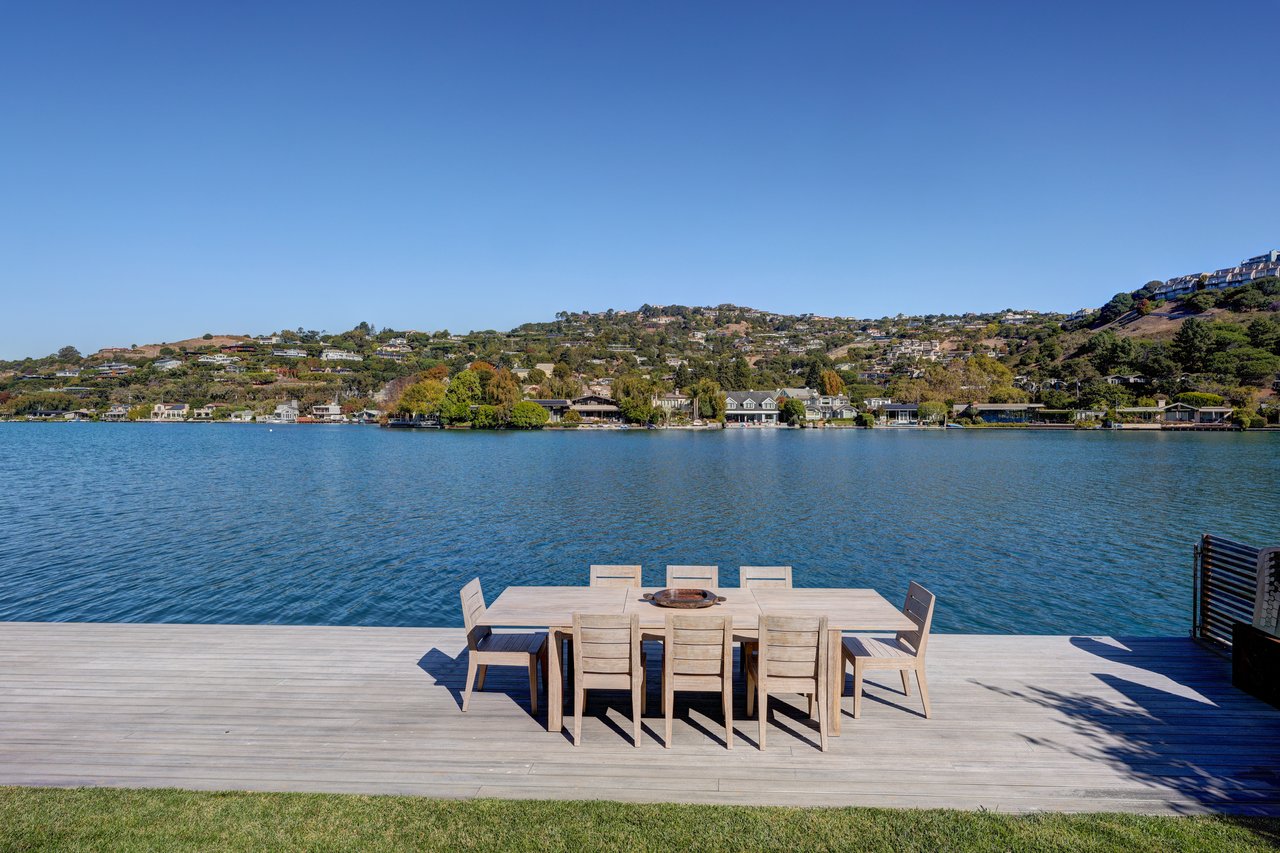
(462, 394)
(791, 411)
(813, 379)
(1198, 399)
(439, 372)
(503, 390)
(932, 411)
(832, 384)
(634, 394)
(1192, 344)
(1116, 307)
(682, 378)
(421, 398)
(486, 417)
(709, 398)
(528, 415)
(68, 353)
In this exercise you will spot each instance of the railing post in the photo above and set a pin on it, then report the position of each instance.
(1195, 591)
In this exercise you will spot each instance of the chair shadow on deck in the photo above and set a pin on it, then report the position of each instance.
(450, 672)
(1193, 738)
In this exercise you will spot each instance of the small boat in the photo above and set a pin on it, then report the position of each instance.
(955, 426)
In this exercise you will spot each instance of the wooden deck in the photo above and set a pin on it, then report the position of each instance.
(1020, 723)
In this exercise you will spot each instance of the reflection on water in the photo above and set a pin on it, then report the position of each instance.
(1027, 532)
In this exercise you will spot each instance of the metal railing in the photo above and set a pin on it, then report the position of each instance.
(1231, 581)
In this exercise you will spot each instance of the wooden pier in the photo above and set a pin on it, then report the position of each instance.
(1020, 723)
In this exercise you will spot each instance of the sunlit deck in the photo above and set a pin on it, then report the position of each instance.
(1020, 723)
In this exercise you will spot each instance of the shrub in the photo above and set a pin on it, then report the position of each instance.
(528, 415)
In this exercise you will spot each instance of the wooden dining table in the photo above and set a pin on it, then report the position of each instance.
(552, 607)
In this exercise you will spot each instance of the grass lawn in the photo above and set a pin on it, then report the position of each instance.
(166, 819)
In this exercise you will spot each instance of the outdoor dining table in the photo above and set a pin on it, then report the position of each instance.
(552, 608)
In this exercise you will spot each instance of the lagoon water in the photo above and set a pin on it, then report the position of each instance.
(1016, 531)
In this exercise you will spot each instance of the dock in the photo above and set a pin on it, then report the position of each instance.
(1020, 723)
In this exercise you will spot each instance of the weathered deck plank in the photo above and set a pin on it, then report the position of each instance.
(1020, 723)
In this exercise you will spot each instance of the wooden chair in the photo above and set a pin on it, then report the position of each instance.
(607, 656)
(686, 576)
(760, 577)
(904, 652)
(792, 658)
(485, 648)
(615, 576)
(764, 577)
(698, 656)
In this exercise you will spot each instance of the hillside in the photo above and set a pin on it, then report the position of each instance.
(1225, 343)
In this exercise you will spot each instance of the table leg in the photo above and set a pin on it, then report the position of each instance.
(835, 682)
(555, 682)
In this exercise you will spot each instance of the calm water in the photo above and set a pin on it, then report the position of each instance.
(1016, 531)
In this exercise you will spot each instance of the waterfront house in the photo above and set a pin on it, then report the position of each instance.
(899, 414)
(242, 417)
(673, 402)
(597, 407)
(751, 407)
(367, 416)
(203, 413)
(286, 413)
(999, 413)
(330, 412)
(1174, 414)
(873, 403)
(170, 411)
(340, 355)
(116, 413)
(48, 415)
(556, 408)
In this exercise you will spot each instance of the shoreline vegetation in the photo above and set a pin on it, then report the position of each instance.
(1175, 355)
(171, 819)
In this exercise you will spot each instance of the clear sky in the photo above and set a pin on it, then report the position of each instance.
(168, 169)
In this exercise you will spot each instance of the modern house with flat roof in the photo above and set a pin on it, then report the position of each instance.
(998, 413)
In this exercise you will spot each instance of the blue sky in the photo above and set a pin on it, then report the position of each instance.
(168, 169)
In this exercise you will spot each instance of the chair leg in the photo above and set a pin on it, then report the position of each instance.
(763, 713)
(484, 668)
(533, 683)
(668, 711)
(637, 709)
(471, 680)
(924, 691)
(857, 688)
(751, 694)
(906, 681)
(824, 710)
(810, 695)
(579, 698)
(727, 701)
(542, 658)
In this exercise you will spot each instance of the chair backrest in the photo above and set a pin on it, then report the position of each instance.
(605, 643)
(919, 609)
(697, 644)
(765, 577)
(678, 576)
(615, 576)
(472, 610)
(793, 646)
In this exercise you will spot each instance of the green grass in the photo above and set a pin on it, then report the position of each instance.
(170, 820)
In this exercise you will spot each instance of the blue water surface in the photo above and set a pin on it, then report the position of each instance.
(1016, 531)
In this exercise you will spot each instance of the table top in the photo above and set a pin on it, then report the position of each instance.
(554, 606)
(845, 609)
(738, 603)
(550, 606)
